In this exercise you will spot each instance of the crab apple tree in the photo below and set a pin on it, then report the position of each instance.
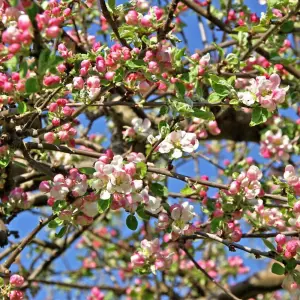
(149, 149)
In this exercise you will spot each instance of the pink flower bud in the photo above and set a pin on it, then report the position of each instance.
(14, 48)
(78, 83)
(53, 107)
(55, 122)
(110, 76)
(61, 68)
(51, 80)
(132, 17)
(137, 259)
(53, 32)
(146, 21)
(24, 22)
(50, 137)
(280, 239)
(44, 186)
(67, 111)
(234, 188)
(16, 280)
(16, 295)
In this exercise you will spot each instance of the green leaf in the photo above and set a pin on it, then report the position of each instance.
(12, 63)
(202, 114)
(32, 11)
(131, 222)
(278, 269)
(296, 276)
(215, 224)
(23, 69)
(13, 3)
(61, 232)
(103, 205)
(59, 205)
(158, 189)
(164, 128)
(32, 85)
(187, 191)
(141, 169)
(43, 62)
(259, 115)
(4, 161)
(232, 59)
(141, 213)
(55, 223)
(291, 199)
(87, 170)
(259, 29)
(242, 29)
(1, 281)
(136, 64)
(111, 4)
(214, 98)
(180, 88)
(291, 264)
(22, 107)
(220, 50)
(287, 27)
(164, 110)
(269, 245)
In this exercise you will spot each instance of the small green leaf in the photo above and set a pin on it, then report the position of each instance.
(269, 245)
(87, 170)
(1, 281)
(131, 222)
(259, 29)
(296, 276)
(61, 232)
(291, 199)
(55, 223)
(187, 191)
(164, 128)
(287, 27)
(136, 64)
(23, 69)
(111, 4)
(32, 85)
(214, 98)
(278, 269)
(141, 169)
(202, 114)
(259, 115)
(220, 50)
(43, 63)
(242, 29)
(22, 107)
(12, 63)
(4, 161)
(103, 205)
(158, 189)
(291, 264)
(164, 110)
(141, 213)
(180, 88)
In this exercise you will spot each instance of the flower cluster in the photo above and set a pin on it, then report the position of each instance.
(247, 183)
(275, 145)
(10, 85)
(292, 179)
(15, 282)
(150, 257)
(140, 128)
(176, 143)
(65, 135)
(18, 33)
(17, 198)
(119, 179)
(290, 248)
(181, 215)
(264, 91)
(201, 128)
(267, 217)
(237, 265)
(96, 294)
